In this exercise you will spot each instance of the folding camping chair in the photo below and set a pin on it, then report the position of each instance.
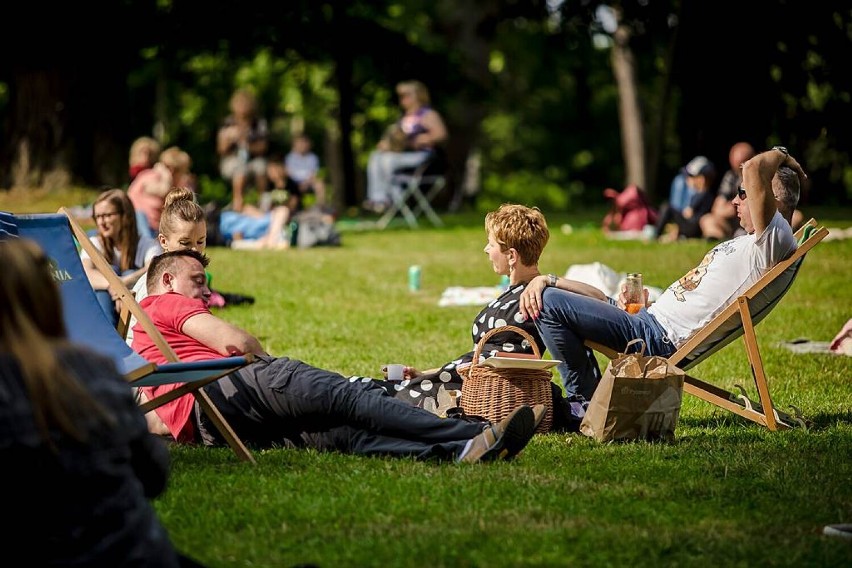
(409, 187)
(87, 324)
(739, 320)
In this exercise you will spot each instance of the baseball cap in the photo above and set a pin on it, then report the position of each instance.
(699, 166)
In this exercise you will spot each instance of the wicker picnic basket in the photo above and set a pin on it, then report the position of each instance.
(494, 393)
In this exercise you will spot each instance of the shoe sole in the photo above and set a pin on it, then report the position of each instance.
(840, 531)
(519, 431)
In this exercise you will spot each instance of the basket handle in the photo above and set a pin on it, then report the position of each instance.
(501, 329)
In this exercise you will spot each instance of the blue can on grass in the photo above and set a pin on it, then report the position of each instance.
(414, 278)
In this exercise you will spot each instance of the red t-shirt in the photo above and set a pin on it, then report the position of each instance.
(169, 312)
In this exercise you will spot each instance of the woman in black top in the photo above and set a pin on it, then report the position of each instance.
(79, 464)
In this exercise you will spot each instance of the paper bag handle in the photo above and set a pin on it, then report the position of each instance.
(631, 342)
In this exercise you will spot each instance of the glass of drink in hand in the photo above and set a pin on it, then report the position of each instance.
(634, 293)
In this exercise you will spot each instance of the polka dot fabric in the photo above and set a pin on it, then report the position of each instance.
(500, 312)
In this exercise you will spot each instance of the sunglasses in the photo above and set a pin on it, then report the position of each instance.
(105, 215)
(741, 193)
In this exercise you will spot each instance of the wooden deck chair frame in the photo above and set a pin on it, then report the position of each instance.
(131, 306)
(739, 320)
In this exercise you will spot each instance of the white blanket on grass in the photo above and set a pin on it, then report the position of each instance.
(595, 274)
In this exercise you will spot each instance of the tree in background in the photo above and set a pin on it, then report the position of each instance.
(528, 86)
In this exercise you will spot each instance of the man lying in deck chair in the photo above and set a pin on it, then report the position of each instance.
(281, 401)
(567, 313)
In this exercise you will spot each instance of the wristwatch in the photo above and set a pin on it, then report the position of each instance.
(551, 280)
(781, 149)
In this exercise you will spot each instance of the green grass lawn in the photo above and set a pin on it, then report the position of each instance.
(726, 492)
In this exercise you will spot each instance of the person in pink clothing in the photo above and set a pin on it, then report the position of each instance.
(148, 195)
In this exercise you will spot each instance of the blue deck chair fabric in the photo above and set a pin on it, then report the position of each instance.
(7, 225)
(82, 312)
(86, 323)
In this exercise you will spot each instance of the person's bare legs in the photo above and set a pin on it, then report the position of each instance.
(261, 183)
(714, 227)
(319, 191)
(238, 186)
(274, 238)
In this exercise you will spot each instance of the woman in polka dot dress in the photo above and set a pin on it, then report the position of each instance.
(517, 236)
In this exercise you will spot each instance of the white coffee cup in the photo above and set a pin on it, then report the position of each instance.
(395, 372)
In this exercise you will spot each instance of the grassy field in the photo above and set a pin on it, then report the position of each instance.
(726, 492)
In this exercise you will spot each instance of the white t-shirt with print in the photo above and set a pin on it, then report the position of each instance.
(727, 271)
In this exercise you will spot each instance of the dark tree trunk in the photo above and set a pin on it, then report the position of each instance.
(629, 110)
(67, 112)
(344, 178)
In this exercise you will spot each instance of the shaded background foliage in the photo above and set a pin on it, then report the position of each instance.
(527, 87)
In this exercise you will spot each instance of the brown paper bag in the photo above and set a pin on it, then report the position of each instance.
(638, 398)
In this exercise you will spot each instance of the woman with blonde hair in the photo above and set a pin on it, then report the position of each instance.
(411, 141)
(183, 226)
(76, 451)
(179, 164)
(144, 153)
(516, 237)
(148, 194)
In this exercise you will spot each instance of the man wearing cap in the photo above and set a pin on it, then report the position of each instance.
(566, 316)
(684, 210)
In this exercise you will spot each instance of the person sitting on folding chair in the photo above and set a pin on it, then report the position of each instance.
(407, 144)
(567, 316)
(282, 401)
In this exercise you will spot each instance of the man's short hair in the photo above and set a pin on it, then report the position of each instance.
(786, 188)
(164, 262)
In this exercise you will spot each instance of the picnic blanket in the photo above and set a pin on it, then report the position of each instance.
(469, 296)
(595, 274)
(605, 279)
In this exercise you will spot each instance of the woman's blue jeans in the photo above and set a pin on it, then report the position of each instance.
(567, 320)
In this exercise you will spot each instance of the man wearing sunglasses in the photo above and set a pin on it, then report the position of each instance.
(566, 316)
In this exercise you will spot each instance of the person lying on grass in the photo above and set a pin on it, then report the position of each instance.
(277, 401)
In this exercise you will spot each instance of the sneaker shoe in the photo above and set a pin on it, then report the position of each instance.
(840, 531)
(503, 440)
(539, 412)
